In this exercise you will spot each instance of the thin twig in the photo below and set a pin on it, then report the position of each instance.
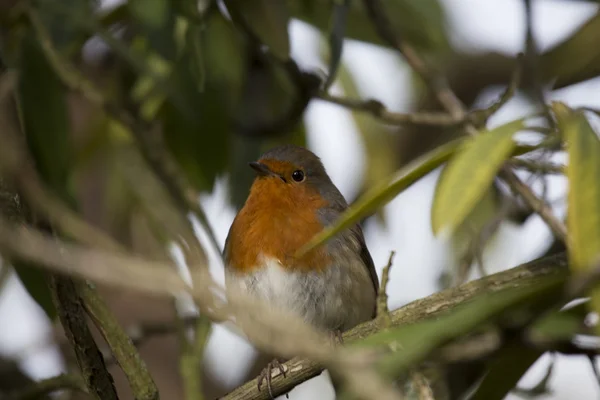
(479, 117)
(47, 386)
(378, 110)
(383, 312)
(538, 166)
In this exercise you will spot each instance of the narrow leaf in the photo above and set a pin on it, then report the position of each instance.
(336, 38)
(583, 172)
(266, 19)
(469, 175)
(45, 116)
(385, 192)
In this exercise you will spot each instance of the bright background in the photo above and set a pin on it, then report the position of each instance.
(477, 24)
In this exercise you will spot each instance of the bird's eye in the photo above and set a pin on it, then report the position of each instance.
(298, 175)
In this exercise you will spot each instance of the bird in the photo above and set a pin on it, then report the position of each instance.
(333, 287)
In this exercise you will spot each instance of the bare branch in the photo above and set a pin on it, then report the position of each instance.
(378, 110)
(382, 298)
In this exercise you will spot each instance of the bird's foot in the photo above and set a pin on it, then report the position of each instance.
(267, 375)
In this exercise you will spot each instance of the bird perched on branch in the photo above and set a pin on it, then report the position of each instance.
(333, 287)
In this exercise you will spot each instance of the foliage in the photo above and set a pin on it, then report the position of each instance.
(188, 92)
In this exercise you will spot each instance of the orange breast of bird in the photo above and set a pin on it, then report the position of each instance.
(274, 223)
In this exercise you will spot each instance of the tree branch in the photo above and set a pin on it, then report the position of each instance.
(300, 370)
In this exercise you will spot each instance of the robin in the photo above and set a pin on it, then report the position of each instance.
(333, 287)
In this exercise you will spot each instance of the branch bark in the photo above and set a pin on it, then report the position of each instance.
(300, 370)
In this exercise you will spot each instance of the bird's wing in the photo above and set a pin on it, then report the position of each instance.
(367, 259)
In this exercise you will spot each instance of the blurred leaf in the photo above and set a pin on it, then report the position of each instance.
(583, 172)
(336, 38)
(64, 31)
(416, 341)
(581, 51)
(224, 56)
(200, 142)
(45, 116)
(151, 13)
(385, 192)
(154, 22)
(469, 175)
(421, 22)
(505, 371)
(34, 281)
(194, 47)
(557, 326)
(46, 124)
(268, 20)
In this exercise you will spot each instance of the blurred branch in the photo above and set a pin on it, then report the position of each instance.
(21, 170)
(301, 370)
(378, 110)
(439, 85)
(47, 386)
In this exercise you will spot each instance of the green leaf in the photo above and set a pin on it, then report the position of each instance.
(583, 212)
(199, 142)
(470, 174)
(46, 124)
(336, 38)
(224, 59)
(505, 371)
(34, 281)
(268, 20)
(385, 192)
(583, 172)
(580, 49)
(45, 117)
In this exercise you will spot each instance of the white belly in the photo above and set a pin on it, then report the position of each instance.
(336, 298)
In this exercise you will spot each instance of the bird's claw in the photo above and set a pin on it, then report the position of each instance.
(266, 375)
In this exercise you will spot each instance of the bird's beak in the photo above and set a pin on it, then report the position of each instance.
(261, 169)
